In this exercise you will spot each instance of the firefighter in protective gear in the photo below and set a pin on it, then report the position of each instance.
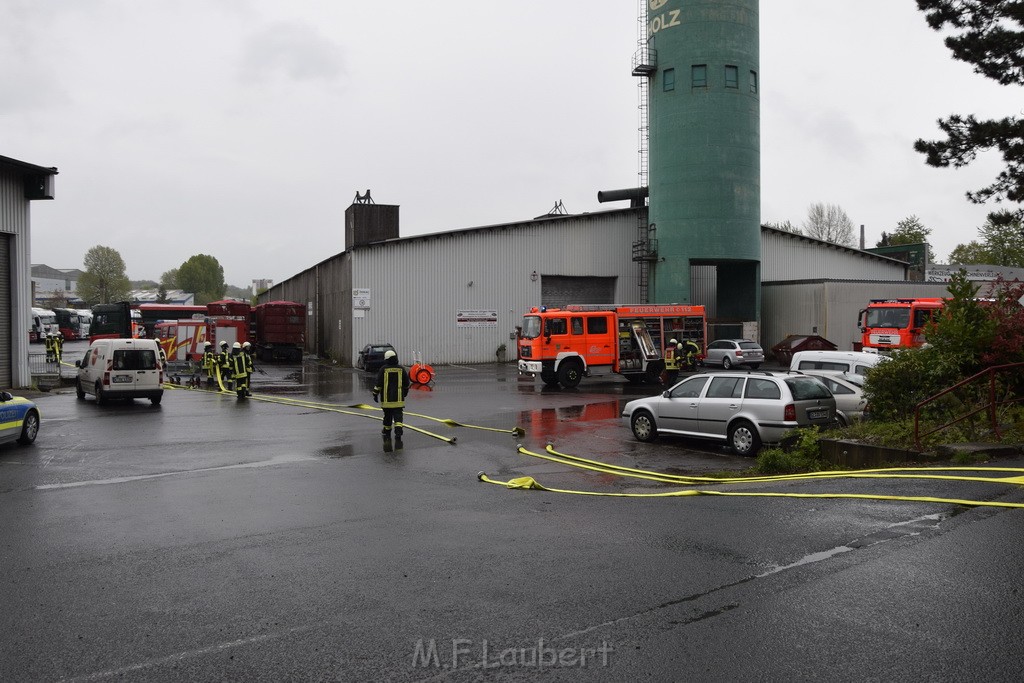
(671, 361)
(239, 370)
(692, 350)
(224, 363)
(209, 362)
(250, 366)
(391, 389)
(51, 348)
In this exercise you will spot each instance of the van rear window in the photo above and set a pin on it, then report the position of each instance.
(134, 359)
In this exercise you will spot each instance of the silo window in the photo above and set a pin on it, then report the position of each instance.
(753, 82)
(699, 75)
(732, 77)
(668, 80)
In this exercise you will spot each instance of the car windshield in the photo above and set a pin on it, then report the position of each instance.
(804, 388)
(531, 327)
(379, 349)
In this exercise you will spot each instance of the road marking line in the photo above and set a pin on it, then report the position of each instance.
(276, 460)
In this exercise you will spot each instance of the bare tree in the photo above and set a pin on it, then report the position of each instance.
(830, 223)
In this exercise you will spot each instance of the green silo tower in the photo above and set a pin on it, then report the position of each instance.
(704, 150)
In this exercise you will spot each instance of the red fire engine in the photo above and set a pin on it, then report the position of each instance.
(563, 345)
(888, 324)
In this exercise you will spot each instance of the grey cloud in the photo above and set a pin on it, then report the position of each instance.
(293, 50)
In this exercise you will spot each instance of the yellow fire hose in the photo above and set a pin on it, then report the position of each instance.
(515, 431)
(915, 473)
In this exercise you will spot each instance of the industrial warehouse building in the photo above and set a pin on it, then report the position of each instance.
(457, 296)
(20, 184)
(692, 234)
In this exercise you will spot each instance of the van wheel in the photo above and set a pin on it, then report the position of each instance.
(79, 392)
(743, 439)
(570, 374)
(643, 426)
(101, 398)
(155, 400)
(29, 428)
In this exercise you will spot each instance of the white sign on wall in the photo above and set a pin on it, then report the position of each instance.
(360, 298)
(476, 318)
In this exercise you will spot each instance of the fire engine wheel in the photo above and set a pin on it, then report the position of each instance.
(570, 374)
(743, 439)
(643, 426)
(79, 392)
(726, 363)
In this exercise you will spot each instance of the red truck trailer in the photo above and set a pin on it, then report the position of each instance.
(280, 331)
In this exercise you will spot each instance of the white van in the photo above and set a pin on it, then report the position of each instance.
(854, 362)
(121, 368)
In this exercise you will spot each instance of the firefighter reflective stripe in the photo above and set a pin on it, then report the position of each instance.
(670, 358)
(392, 389)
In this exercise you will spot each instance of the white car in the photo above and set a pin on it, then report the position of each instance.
(848, 390)
(731, 352)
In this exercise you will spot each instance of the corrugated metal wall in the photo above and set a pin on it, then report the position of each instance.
(785, 256)
(828, 308)
(418, 286)
(14, 220)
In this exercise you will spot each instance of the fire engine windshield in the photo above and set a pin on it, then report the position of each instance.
(531, 327)
(894, 316)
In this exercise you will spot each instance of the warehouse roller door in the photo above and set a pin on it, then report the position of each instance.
(557, 291)
(5, 310)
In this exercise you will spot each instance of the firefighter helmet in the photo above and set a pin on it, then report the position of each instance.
(236, 345)
(390, 353)
(673, 342)
(223, 343)
(207, 343)
(246, 345)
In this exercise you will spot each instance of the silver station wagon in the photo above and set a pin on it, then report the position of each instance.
(743, 409)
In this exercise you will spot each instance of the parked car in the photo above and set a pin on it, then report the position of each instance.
(857, 362)
(848, 390)
(121, 368)
(742, 409)
(371, 357)
(19, 419)
(730, 352)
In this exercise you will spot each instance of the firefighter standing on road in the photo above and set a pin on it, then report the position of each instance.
(224, 363)
(209, 362)
(671, 361)
(240, 370)
(692, 350)
(250, 366)
(51, 355)
(391, 389)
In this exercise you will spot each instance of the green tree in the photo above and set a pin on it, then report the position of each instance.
(169, 280)
(104, 280)
(910, 230)
(203, 276)
(988, 35)
(830, 223)
(1001, 244)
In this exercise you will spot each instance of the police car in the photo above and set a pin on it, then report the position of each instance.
(19, 419)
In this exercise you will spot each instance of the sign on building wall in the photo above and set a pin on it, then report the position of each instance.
(360, 298)
(476, 319)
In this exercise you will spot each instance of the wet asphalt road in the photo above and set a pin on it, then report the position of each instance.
(211, 539)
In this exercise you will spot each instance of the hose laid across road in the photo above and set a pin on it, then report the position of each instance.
(889, 473)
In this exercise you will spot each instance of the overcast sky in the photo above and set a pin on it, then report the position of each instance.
(242, 129)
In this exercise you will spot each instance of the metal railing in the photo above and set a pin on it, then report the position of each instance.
(990, 405)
